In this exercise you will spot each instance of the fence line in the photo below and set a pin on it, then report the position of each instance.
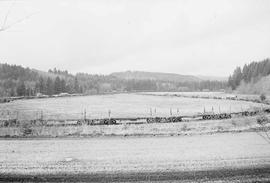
(47, 115)
(110, 120)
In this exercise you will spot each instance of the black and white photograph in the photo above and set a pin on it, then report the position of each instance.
(135, 91)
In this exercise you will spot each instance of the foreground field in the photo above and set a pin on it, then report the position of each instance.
(217, 157)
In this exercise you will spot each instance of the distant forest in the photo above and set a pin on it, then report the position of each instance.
(250, 74)
(19, 81)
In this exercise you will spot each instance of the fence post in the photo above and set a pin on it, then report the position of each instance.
(41, 115)
(8, 115)
(84, 115)
(17, 115)
(37, 115)
(109, 113)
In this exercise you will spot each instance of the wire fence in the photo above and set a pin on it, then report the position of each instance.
(22, 115)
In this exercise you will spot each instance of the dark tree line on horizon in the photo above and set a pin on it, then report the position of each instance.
(19, 81)
(249, 73)
(47, 86)
(57, 86)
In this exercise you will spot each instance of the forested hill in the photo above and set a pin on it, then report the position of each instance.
(251, 78)
(140, 75)
(19, 81)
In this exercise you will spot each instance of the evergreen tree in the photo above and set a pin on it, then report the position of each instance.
(81, 89)
(57, 85)
(250, 73)
(266, 68)
(41, 85)
(245, 73)
(76, 85)
(68, 88)
(49, 86)
(63, 85)
(21, 89)
(12, 92)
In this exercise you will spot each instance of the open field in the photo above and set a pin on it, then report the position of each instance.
(123, 105)
(120, 105)
(228, 150)
(218, 157)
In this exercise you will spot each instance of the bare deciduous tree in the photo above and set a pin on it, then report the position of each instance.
(5, 26)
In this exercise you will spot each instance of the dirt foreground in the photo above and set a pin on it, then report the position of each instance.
(230, 157)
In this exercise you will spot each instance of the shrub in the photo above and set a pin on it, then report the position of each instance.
(262, 97)
(184, 128)
(220, 128)
(262, 119)
(233, 122)
(27, 130)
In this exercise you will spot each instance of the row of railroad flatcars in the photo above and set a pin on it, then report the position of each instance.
(115, 121)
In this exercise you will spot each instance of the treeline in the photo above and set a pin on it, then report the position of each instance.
(203, 85)
(13, 79)
(252, 72)
(57, 86)
(46, 86)
(59, 72)
(102, 83)
(18, 81)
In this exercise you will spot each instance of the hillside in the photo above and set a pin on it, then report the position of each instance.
(262, 86)
(212, 78)
(253, 78)
(141, 75)
(16, 80)
(249, 73)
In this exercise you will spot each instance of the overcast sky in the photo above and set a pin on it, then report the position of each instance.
(209, 37)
